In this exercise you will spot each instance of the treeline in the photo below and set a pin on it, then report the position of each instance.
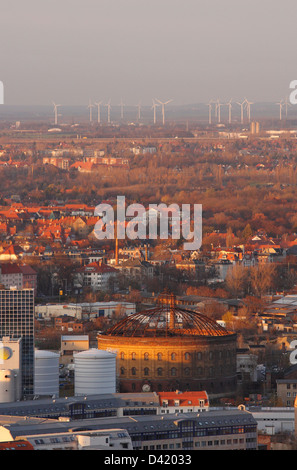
(232, 189)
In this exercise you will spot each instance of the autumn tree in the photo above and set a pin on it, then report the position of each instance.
(236, 280)
(261, 278)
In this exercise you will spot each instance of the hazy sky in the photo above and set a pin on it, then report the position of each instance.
(190, 50)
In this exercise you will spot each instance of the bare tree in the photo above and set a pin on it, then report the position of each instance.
(261, 278)
(236, 280)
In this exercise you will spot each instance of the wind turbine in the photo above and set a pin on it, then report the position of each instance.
(108, 111)
(230, 109)
(56, 112)
(280, 104)
(241, 110)
(154, 107)
(98, 108)
(122, 109)
(163, 104)
(286, 104)
(248, 107)
(209, 111)
(139, 110)
(218, 110)
(90, 106)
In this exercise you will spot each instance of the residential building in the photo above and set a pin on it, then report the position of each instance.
(19, 276)
(183, 402)
(286, 390)
(67, 324)
(136, 268)
(95, 275)
(59, 162)
(19, 445)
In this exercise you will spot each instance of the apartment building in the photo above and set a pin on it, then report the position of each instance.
(95, 275)
(19, 276)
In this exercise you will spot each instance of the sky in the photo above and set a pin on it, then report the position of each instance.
(191, 51)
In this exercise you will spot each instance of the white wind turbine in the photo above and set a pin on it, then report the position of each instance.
(280, 104)
(154, 107)
(98, 111)
(122, 104)
(163, 104)
(209, 111)
(286, 104)
(108, 111)
(229, 104)
(248, 109)
(241, 110)
(90, 106)
(56, 112)
(218, 110)
(139, 110)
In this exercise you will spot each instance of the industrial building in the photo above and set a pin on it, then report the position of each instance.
(168, 347)
(211, 430)
(95, 372)
(46, 373)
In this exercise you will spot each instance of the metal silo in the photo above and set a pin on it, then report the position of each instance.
(94, 372)
(46, 375)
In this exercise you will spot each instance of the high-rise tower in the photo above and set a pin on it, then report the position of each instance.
(17, 321)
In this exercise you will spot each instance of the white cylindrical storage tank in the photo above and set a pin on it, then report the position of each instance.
(94, 372)
(46, 373)
(7, 385)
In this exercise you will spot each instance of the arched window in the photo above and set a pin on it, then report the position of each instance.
(122, 356)
(187, 356)
(173, 356)
(133, 370)
(187, 371)
(146, 356)
(133, 356)
(122, 371)
(173, 371)
(160, 371)
(146, 371)
(199, 356)
(159, 356)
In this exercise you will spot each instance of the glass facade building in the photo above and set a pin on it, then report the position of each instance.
(17, 321)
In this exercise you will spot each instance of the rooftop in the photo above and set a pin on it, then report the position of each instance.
(167, 320)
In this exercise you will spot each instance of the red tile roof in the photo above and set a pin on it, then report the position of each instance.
(16, 445)
(9, 268)
(185, 398)
(97, 268)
